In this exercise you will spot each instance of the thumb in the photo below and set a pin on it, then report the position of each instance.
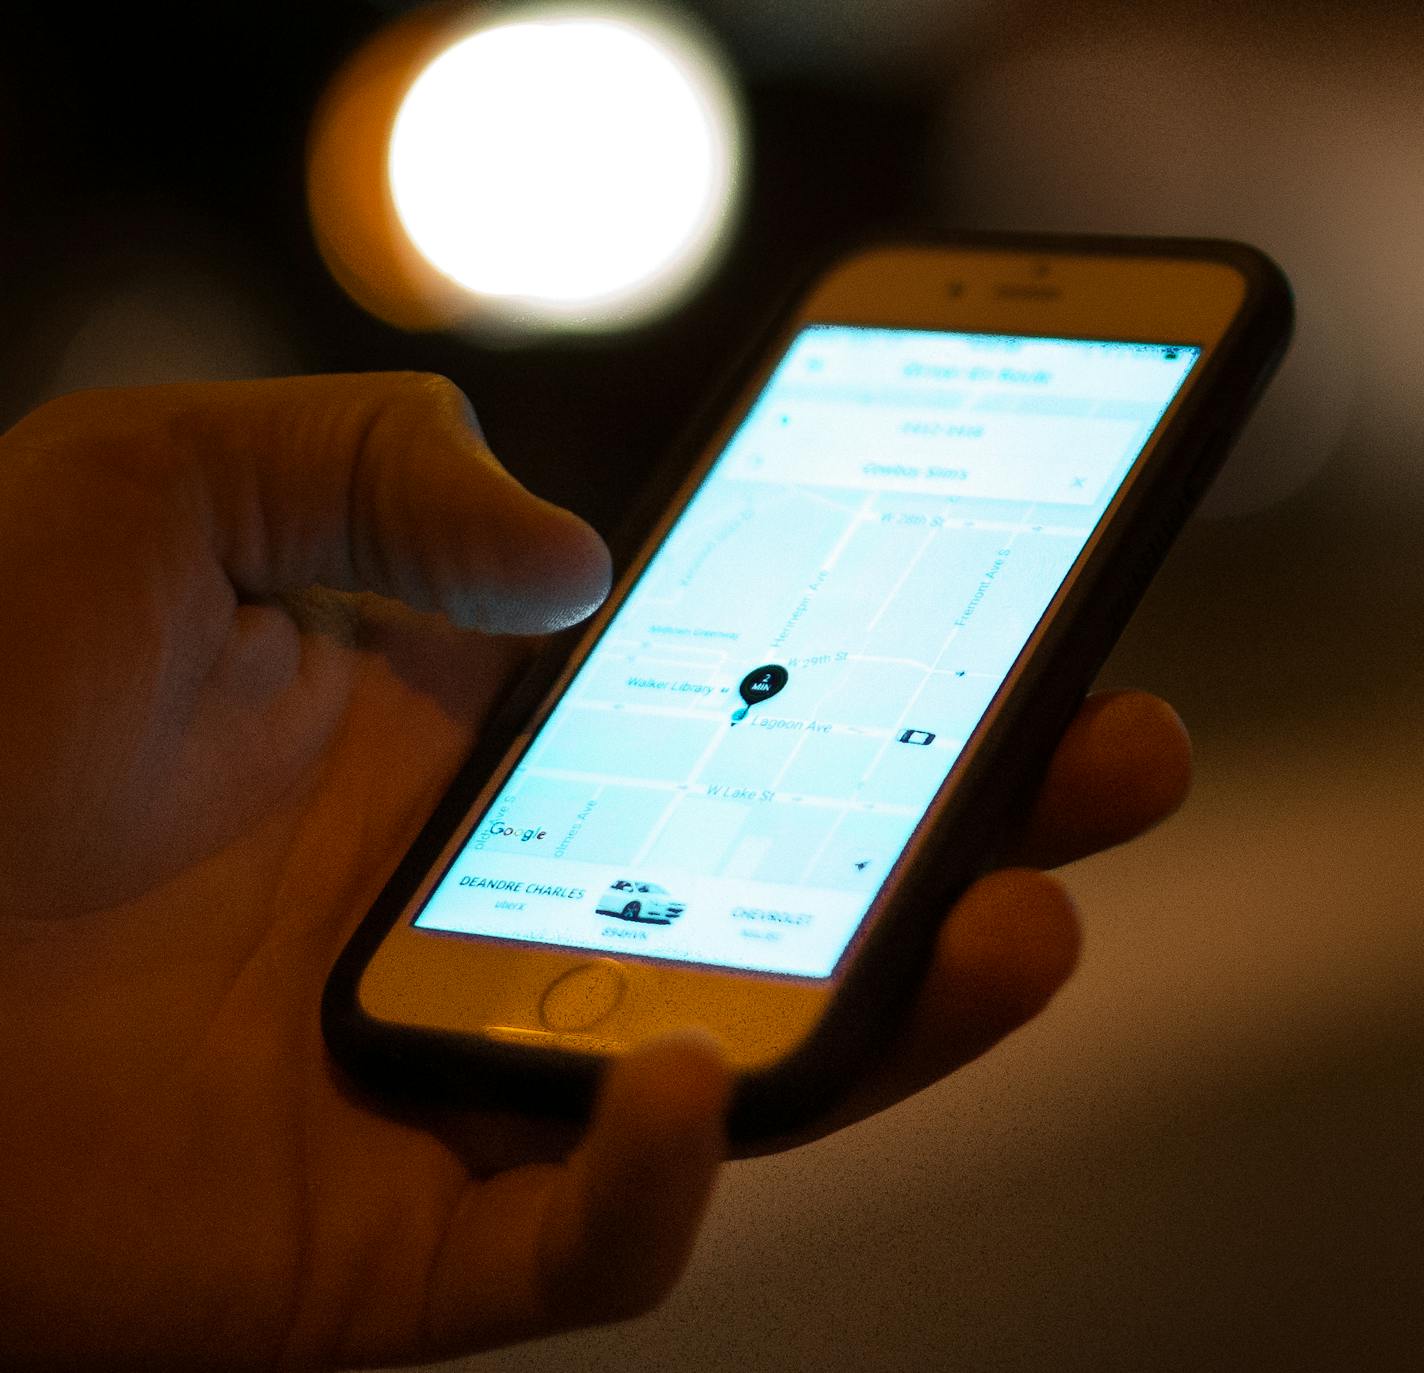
(546, 1248)
(378, 482)
(619, 1229)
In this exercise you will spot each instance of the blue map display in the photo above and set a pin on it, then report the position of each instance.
(761, 726)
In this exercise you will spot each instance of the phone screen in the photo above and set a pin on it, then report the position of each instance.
(740, 760)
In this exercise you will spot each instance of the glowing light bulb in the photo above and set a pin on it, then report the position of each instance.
(568, 166)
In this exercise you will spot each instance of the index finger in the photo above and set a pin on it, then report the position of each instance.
(379, 482)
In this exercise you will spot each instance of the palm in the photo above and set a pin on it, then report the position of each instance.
(207, 1025)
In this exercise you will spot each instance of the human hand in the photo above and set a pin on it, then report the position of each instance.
(208, 772)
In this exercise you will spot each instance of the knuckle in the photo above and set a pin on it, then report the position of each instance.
(61, 411)
(68, 420)
(430, 393)
(406, 408)
(116, 432)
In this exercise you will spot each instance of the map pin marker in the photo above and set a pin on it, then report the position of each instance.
(760, 684)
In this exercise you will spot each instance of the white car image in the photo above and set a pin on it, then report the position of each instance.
(645, 902)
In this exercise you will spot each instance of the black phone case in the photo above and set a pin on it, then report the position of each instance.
(988, 798)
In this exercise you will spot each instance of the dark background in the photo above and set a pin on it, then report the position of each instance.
(1208, 1153)
(140, 133)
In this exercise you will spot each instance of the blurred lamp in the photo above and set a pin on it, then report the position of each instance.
(549, 167)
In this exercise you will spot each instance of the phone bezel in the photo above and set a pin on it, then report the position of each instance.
(401, 992)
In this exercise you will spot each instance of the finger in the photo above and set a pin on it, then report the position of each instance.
(622, 1219)
(1009, 944)
(1124, 764)
(378, 482)
(547, 1247)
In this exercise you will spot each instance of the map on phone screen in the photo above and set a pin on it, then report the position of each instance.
(762, 724)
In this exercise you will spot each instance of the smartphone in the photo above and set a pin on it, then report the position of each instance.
(825, 684)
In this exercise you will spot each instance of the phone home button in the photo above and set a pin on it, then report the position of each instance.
(584, 996)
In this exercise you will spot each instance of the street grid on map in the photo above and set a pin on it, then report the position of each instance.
(886, 633)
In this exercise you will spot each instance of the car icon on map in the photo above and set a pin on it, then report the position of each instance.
(645, 902)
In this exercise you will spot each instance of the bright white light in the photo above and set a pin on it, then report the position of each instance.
(568, 165)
